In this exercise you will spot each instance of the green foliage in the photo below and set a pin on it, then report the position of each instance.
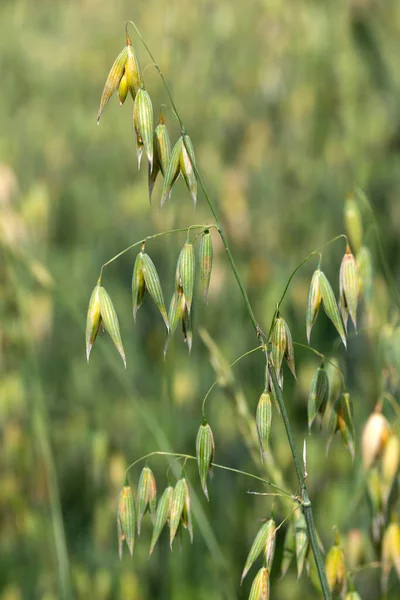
(285, 112)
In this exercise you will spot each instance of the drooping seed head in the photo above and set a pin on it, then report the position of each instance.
(126, 519)
(390, 464)
(353, 222)
(205, 451)
(163, 513)
(143, 122)
(302, 543)
(318, 395)
(375, 435)
(313, 303)
(335, 569)
(123, 89)
(146, 495)
(263, 542)
(187, 160)
(260, 586)
(93, 320)
(365, 273)
(349, 288)
(109, 319)
(263, 422)
(206, 259)
(113, 80)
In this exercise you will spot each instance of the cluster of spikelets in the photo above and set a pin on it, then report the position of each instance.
(381, 447)
(125, 77)
(281, 349)
(173, 508)
(145, 278)
(381, 461)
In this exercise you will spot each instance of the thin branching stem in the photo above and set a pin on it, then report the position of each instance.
(152, 237)
(307, 508)
(323, 357)
(223, 467)
(316, 252)
(222, 376)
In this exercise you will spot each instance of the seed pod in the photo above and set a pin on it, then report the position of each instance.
(318, 396)
(365, 273)
(206, 258)
(313, 303)
(123, 89)
(279, 341)
(187, 160)
(187, 327)
(93, 320)
(186, 519)
(260, 586)
(143, 122)
(114, 77)
(109, 319)
(263, 542)
(289, 352)
(302, 543)
(390, 465)
(175, 314)
(390, 552)
(342, 419)
(270, 544)
(138, 285)
(330, 306)
(177, 505)
(162, 153)
(375, 435)
(289, 548)
(146, 495)
(349, 288)
(176, 309)
(356, 547)
(153, 285)
(126, 519)
(205, 450)
(353, 222)
(132, 71)
(186, 268)
(335, 569)
(162, 514)
(172, 172)
(374, 488)
(353, 595)
(263, 422)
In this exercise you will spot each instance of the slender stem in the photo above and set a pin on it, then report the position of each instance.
(303, 262)
(370, 565)
(331, 362)
(221, 376)
(151, 237)
(223, 467)
(307, 507)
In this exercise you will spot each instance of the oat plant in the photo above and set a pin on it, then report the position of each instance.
(329, 404)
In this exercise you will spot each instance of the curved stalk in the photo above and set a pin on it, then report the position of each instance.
(307, 507)
(215, 465)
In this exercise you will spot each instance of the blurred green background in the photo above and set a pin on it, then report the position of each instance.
(289, 105)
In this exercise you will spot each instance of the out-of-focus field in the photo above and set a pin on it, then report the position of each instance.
(289, 105)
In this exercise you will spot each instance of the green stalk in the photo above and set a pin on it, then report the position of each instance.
(307, 507)
(306, 502)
